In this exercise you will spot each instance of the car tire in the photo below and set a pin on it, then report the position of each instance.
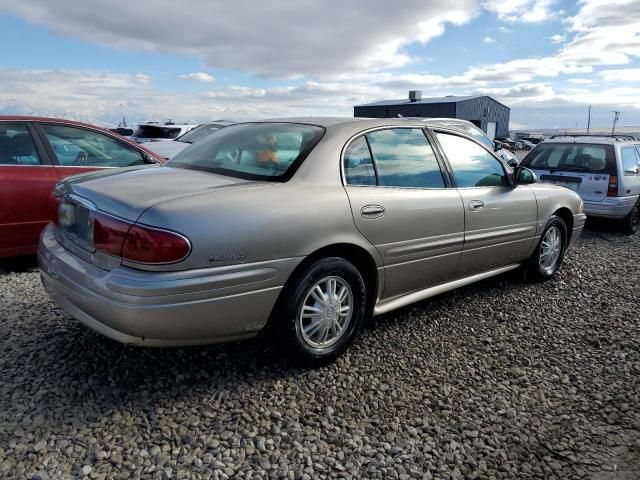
(631, 223)
(312, 332)
(549, 253)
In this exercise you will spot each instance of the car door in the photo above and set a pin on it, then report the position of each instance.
(631, 170)
(77, 150)
(500, 218)
(402, 203)
(27, 180)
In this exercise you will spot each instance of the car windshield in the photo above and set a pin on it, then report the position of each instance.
(256, 151)
(156, 131)
(197, 133)
(573, 157)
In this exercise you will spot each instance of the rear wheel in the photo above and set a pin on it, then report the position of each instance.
(547, 258)
(631, 223)
(321, 311)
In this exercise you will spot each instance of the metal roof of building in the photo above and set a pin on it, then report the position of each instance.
(406, 101)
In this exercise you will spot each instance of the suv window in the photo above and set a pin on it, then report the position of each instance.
(79, 147)
(16, 145)
(572, 157)
(404, 158)
(358, 166)
(471, 164)
(630, 161)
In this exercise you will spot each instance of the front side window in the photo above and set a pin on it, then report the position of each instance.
(471, 164)
(404, 158)
(258, 151)
(16, 145)
(630, 161)
(77, 147)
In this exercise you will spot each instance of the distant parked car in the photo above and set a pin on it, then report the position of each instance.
(605, 171)
(169, 148)
(157, 131)
(312, 225)
(124, 131)
(527, 145)
(35, 153)
(507, 143)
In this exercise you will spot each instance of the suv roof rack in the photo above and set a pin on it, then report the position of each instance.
(618, 138)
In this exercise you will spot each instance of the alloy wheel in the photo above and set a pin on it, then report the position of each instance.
(550, 250)
(326, 312)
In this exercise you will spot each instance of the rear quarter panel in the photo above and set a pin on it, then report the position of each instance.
(259, 223)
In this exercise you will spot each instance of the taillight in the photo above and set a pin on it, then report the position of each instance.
(109, 234)
(138, 243)
(612, 191)
(150, 245)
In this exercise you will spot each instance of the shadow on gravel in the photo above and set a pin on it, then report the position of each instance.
(26, 263)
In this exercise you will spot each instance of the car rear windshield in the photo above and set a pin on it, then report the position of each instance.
(255, 151)
(572, 157)
(153, 131)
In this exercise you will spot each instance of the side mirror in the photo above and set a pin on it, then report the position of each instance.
(497, 145)
(524, 176)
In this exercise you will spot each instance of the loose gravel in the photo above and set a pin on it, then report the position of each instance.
(502, 379)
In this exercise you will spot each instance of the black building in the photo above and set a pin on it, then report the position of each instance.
(483, 111)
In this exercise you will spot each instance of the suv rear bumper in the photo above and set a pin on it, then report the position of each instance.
(611, 207)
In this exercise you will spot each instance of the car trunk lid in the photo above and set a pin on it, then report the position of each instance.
(127, 198)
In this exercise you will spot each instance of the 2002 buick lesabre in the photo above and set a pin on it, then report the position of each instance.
(308, 226)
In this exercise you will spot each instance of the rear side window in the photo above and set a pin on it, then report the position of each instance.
(404, 158)
(630, 161)
(358, 166)
(16, 145)
(572, 157)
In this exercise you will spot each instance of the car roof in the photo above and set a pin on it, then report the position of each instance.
(594, 140)
(330, 122)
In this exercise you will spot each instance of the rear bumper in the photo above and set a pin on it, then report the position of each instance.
(163, 308)
(611, 207)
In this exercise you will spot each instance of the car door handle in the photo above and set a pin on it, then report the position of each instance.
(476, 205)
(372, 211)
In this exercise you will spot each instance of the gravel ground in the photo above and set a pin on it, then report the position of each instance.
(502, 379)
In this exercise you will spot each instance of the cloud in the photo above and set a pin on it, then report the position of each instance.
(621, 75)
(489, 40)
(275, 38)
(199, 76)
(557, 38)
(503, 29)
(525, 11)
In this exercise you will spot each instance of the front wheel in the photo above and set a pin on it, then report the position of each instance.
(547, 258)
(321, 311)
(631, 223)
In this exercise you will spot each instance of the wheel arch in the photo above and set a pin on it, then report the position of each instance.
(565, 214)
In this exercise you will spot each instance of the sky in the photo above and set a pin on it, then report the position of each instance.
(200, 60)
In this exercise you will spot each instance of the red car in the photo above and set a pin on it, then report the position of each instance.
(37, 152)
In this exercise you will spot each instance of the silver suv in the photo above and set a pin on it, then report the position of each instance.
(605, 171)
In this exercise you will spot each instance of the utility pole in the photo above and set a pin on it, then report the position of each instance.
(616, 117)
(589, 120)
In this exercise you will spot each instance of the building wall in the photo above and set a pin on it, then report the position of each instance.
(475, 108)
(472, 110)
